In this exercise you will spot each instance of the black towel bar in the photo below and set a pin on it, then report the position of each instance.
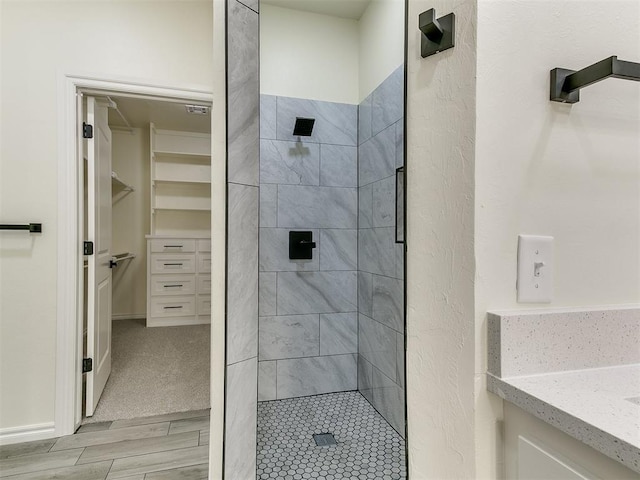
(31, 227)
(566, 84)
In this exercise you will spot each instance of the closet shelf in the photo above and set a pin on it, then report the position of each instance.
(120, 188)
(171, 181)
(181, 209)
(184, 155)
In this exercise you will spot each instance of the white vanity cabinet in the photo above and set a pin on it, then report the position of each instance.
(179, 281)
(534, 450)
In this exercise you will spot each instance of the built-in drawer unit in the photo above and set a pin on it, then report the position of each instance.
(171, 306)
(204, 263)
(204, 284)
(178, 281)
(204, 305)
(173, 285)
(171, 245)
(204, 245)
(172, 263)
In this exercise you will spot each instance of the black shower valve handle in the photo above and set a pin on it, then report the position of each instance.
(308, 242)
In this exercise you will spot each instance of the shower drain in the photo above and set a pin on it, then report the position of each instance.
(324, 439)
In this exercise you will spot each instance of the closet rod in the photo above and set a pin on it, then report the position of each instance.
(31, 227)
(566, 84)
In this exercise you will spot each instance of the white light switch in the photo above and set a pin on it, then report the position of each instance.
(535, 269)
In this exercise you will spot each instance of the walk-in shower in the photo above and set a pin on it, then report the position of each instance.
(331, 400)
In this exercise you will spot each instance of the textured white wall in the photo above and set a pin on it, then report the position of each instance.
(308, 55)
(164, 42)
(440, 137)
(381, 43)
(542, 167)
(130, 160)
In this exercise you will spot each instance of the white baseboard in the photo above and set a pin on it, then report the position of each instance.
(128, 316)
(27, 433)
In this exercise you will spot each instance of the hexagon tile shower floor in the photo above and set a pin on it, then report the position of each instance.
(368, 448)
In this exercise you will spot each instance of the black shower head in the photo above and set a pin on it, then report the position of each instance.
(304, 126)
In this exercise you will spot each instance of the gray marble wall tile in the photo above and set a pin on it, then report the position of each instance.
(377, 344)
(400, 359)
(338, 166)
(242, 277)
(317, 207)
(336, 123)
(376, 251)
(252, 4)
(267, 294)
(365, 378)
(338, 333)
(377, 157)
(241, 419)
(268, 116)
(365, 206)
(400, 143)
(266, 380)
(384, 202)
(338, 249)
(274, 252)
(364, 120)
(289, 163)
(388, 101)
(316, 292)
(388, 399)
(290, 336)
(268, 205)
(388, 302)
(312, 376)
(242, 95)
(365, 293)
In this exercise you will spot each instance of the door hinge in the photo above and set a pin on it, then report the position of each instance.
(87, 248)
(87, 130)
(87, 365)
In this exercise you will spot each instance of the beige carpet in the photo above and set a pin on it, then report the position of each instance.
(155, 371)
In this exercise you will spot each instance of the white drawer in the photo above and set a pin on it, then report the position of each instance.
(173, 285)
(204, 263)
(204, 305)
(204, 245)
(176, 263)
(172, 306)
(204, 284)
(176, 245)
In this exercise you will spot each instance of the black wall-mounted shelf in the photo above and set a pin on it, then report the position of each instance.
(566, 84)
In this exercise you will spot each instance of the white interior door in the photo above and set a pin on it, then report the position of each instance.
(99, 288)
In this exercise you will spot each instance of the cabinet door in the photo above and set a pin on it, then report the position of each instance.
(537, 463)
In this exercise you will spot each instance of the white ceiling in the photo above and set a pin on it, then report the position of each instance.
(338, 8)
(165, 115)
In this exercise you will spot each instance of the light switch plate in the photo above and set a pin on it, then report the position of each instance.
(535, 269)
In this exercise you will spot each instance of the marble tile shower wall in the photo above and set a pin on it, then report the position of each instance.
(308, 308)
(242, 233)
(380, 260)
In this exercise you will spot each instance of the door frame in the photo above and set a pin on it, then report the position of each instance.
(68, 396)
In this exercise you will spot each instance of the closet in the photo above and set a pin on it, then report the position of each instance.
(151, 214)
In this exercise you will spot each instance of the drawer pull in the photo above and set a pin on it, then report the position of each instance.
(173, 246)
(172, 306)
(173, 286)
(172, 264)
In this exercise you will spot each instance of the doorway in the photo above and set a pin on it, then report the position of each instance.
(69, 377)
(146, 210)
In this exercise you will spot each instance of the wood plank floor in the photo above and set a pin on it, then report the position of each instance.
(162, 447)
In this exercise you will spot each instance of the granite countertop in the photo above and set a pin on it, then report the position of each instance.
(576, 369)
(598, 406)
